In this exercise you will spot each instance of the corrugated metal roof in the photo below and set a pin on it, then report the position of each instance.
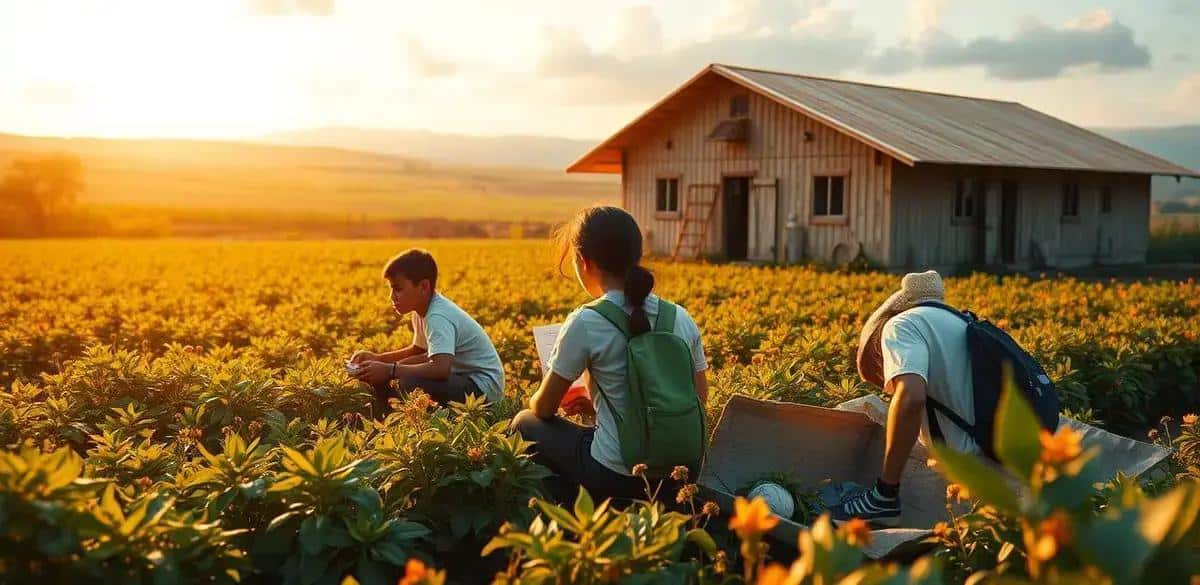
(926, 127)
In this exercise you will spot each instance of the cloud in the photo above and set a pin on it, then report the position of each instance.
(288, 7)
(423, 64)
(640, 32)
(1036, 51)
(924, 15)
(774, 34)
(1186, 94)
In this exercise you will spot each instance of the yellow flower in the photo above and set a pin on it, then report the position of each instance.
(679, 473)
(941, 530)
(751, 517)
(957, 493)
(857, 532)
(639, 469)
(710, 509)
(1060, 447)
(685, 493)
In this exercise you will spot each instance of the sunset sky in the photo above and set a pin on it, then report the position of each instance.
(243, 68)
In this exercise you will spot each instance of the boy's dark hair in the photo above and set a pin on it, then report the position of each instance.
(415, 265)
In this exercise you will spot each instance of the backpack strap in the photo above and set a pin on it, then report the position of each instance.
(611, 313)
(665, 320)
(967, 316)
(932, 407)
(615, 315)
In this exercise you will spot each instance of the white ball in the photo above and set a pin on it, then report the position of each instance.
(778, 498)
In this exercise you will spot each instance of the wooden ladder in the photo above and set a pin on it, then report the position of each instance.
(697, 214)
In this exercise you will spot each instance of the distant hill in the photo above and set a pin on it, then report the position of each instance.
(1178, 144)
(546, 152)
(242, 176)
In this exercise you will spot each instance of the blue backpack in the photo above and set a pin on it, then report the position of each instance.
(990, 349)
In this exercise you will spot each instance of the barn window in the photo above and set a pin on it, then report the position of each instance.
(1106, 199)
(739, 106)
(1070, 202)
(668, 196)
(968, 200)
(829, 195)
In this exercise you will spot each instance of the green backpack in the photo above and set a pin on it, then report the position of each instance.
(663, 422)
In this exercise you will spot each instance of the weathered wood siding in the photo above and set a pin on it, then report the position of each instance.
(924, 235)
(776, 154)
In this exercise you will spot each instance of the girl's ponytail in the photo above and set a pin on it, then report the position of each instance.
(638, 284)
(610, 238)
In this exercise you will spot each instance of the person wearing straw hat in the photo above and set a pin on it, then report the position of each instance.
(913, 353)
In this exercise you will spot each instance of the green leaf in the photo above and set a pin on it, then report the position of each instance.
(1115, 545)
(584, 505)
(312, 533)
(983, 481)
(1168, 518)
(299, 460)
(702, 539)
(559, 515)
(279, 520)
(483, 477)
(1017, 429)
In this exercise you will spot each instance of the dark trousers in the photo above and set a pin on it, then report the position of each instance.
(565, 448)
(456, 388)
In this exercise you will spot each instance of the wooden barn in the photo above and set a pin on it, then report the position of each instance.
(748, 164)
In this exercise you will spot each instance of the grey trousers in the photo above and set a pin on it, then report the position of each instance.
(456, 388)
(566, 448)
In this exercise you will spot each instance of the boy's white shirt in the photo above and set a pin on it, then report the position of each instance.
(447, 329)
(587, 341)
(932, 343)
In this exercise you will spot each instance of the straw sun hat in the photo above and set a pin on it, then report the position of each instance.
(915, 287)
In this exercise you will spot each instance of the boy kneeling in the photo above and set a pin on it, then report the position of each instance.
(450, 356)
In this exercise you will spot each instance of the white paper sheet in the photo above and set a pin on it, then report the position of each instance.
(544, 337)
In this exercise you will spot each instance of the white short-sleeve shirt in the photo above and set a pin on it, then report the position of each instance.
(447, 329)
(932, 343)
(588, 341)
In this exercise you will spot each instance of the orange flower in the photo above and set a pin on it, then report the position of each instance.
(1190, 419)
(941, 530)
(475, 454)
(774, 574)
(1052, 533)
(679, 473)
(751, 517)
(1060, 447)
(857, 532)
(414, 572)
(639, 469)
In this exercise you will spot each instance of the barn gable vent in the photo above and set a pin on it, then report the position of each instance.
(735, 130)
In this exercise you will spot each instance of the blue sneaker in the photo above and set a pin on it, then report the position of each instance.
(870, 505)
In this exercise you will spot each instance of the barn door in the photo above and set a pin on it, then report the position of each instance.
(763, 199)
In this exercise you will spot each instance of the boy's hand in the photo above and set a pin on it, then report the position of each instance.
(374, 373)
(363, 355)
